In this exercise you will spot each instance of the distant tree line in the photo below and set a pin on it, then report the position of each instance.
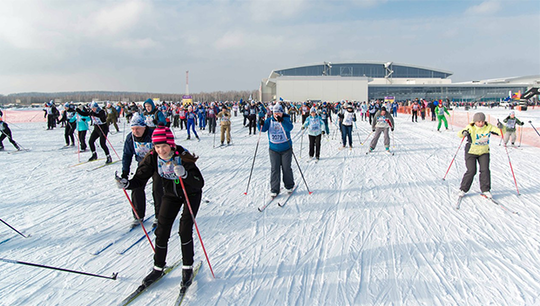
(29, 98)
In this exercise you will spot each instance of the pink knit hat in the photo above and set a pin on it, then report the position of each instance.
(163, 134)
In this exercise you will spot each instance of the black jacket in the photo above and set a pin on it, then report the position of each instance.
(194, 181)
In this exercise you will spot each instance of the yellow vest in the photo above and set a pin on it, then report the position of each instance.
(479, 137)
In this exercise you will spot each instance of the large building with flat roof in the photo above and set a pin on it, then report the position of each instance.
(364, 81)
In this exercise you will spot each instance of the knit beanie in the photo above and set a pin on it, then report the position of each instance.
(163, 134)
(137, 120)
(277, 108)
(479, 117)
(313, 110)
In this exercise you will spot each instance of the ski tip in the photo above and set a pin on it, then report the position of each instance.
(206, 201)
(245, 193)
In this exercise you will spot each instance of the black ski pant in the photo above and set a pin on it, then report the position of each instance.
(183, 122)
(6, 133)
(170, 206)
(176, 120)
(51, 122)
(414, 116)
(100, 131)
(315, 146)
(82, 140)
(280, 161)
(371, 117)
(252, 123)
(138, 195)
(68, 133)
(485, 175)
(211, 124)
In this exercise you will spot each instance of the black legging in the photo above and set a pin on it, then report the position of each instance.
(68, 132)
(170, 206)
(100, 131)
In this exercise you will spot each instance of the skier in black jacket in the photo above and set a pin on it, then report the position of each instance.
(138, 143)
(99, 118)
(175, 165)
(71, 124)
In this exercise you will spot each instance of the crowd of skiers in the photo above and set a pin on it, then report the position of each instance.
(177, 182)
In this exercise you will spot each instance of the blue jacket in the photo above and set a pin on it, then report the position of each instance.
(279, 133)
(136, 146)
(315, 125)
(154, 116)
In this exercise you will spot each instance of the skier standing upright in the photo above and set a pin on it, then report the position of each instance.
(138, 143)
(382, 123)
(441, 110)
(99, 118)
(175, 165)
(279, 128)
(510, 128)
(316, 128)
(477, 151)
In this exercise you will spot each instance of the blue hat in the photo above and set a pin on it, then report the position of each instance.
(94, 104)
(137, 120)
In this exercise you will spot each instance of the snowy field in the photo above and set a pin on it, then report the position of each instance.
(377, 230)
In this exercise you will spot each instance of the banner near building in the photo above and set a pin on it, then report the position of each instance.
(187, 99)
(389, 99)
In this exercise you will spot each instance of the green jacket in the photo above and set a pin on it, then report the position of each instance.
(511, 123)
(441, 110)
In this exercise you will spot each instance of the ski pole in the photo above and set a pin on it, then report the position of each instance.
(520, 135)
(55, 268)
(107, 138)
(509, 162)
(13, 228)
(362, 143)
(393, 140)
(196, 227)
(301, 142)
(453, 158)
(253, 163)
(296, 160)
(137, 215)
(214, 143)
(302, 174)
(534, 128)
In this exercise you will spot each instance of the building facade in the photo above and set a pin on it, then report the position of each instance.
(363, 81)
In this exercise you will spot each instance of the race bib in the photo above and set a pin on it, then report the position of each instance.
(482, 139)
(511, 124)
(166, 168)
(276, 133)
(142, 148)
(315, 126)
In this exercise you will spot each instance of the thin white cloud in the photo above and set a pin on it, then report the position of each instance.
(484, 8)
(118, 18)
(264, 10)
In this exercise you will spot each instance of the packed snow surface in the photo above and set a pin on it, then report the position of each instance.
(377, 229)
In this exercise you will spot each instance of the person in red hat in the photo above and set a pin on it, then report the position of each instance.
(174, 164)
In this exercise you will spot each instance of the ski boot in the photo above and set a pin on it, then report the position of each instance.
(93, 157)
(109, 160)
(187, 272)
(156, 274)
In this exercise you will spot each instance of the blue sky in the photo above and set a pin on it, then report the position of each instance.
(138, 45)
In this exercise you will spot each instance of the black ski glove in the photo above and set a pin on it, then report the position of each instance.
(465, 133)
